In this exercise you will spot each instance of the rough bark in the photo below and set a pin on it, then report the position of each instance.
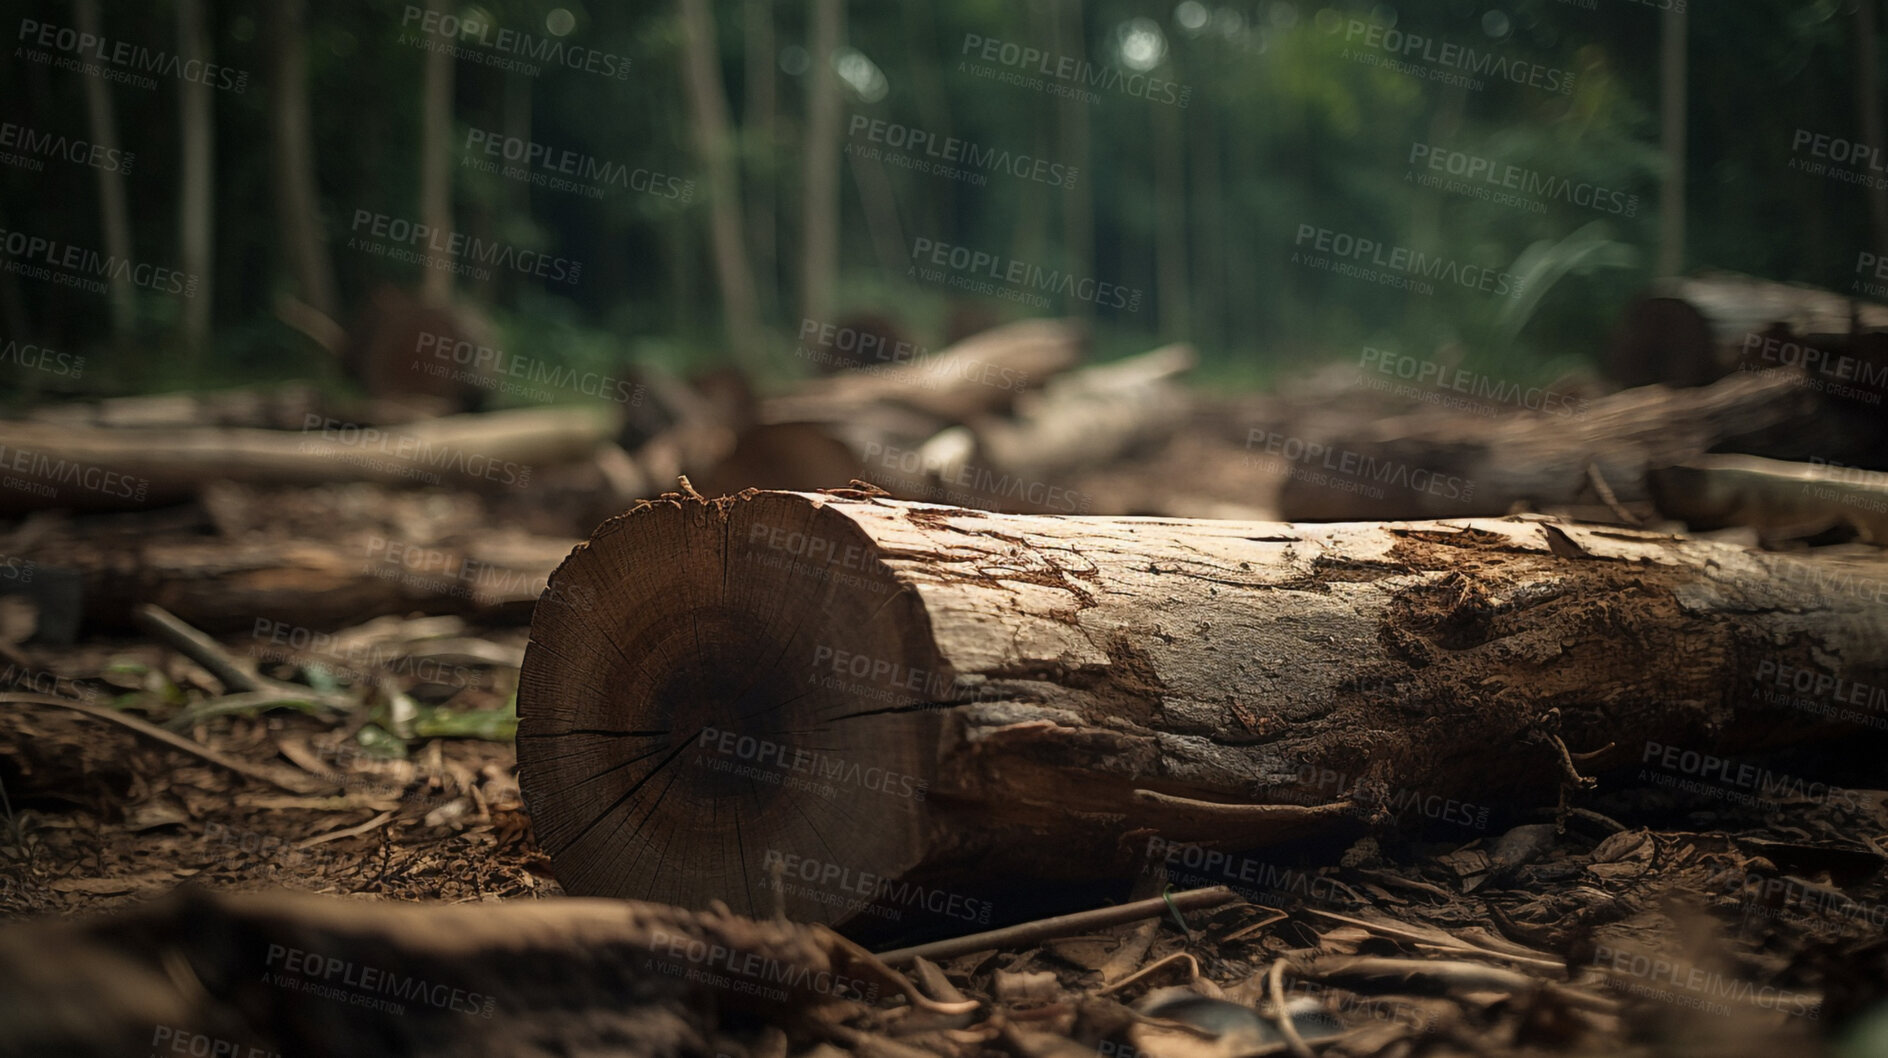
(932, 696)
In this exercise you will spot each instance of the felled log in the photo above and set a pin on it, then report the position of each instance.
(227, 586)
(1023, 462)
(1689, 331)
(982, 373)
(282, 407)
(1444, 464)
(282, 973)
(854, 706)
(1091, 416)
(1739, 305)
(79, 467)
(1714, 492)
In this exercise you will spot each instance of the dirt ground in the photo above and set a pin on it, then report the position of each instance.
(1651, 920)
(100, 817)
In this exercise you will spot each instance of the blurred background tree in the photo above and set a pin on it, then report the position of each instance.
(750, 102)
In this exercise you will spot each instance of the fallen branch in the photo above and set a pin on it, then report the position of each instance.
(135, 468)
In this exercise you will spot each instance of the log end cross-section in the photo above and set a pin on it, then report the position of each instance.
(688, 717)
(839, 704)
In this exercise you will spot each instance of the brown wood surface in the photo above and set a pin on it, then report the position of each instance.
(869, 697)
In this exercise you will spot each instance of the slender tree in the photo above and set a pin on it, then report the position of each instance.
(1868, 100)
(1672, 102)
(196, 220)
(819, 210)
(297, 199)
(115, 215)
(1078, 202)
(763, 135)
(1170, 233)
(714, 140)
(436, 165)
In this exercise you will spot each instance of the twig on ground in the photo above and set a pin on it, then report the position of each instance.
(195, 645)
(1150, 968)
(346, 832)
(174, 741)
(1043, 929)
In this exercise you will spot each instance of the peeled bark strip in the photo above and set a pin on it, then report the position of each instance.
(863, 699)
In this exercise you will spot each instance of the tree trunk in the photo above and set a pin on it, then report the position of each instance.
(937, 210)
(880, 206)
(1672, 102)
(435, 203)
(819, 698)
(195, 220)
(298, 199)
(819, 210)
(1170, 236)
(761, 121)
(1868, 102)
(714, 142)
(115, 217)
(1072, 138)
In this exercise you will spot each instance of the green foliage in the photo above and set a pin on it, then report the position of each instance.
(1290, 122)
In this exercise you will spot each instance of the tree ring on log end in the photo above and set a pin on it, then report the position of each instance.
(725, 700)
